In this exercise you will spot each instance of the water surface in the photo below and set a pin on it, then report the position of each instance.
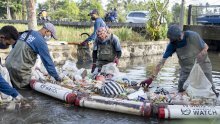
(47, 110)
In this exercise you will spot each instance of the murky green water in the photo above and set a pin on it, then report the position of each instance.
(47, 110)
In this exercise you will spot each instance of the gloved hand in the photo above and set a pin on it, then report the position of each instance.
(59, 79)
(84, 43)
(93, 67)
(147, 82)
(19, 97)
(116, 60)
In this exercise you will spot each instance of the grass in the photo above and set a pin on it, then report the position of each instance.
(71, 34)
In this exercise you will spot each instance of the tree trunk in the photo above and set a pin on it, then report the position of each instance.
(182, 14)
(23, 10)
(8, 11)
(31, 14)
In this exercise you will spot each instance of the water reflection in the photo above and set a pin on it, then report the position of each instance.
(140, 68)
(47, 110)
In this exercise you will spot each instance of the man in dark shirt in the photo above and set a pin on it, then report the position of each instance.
(98, 23)
(188, 46)
(84, 48)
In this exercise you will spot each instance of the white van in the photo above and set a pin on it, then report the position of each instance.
(137, 17)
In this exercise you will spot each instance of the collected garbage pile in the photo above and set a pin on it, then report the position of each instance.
(112, 90)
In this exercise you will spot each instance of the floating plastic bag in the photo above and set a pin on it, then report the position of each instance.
(69, 66)
(39, 66)
(197, 85)
(136, 94)
(110, 68)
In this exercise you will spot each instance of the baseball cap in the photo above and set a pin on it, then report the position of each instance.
(51, 28)
(174, 32)
(94, 11)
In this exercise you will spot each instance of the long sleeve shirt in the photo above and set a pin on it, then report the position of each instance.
(98, 23)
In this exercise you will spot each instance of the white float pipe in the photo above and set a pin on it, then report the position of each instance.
(189, 111)
(116, 105)
(55, 91)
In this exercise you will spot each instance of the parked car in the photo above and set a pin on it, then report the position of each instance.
(137, 17)
(208, 19)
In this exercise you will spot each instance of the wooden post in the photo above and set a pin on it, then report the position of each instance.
(182, 14)
(189, 15)
(31, 14)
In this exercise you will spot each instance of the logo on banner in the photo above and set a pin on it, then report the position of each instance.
(199, 110)
(185, 111)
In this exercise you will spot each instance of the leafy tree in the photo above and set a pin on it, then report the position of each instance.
(61, 9)
(158, 12)
(68, 10)
(3, 9)
(134, 5)
(176, 12)
(16, 9)
(86, 6)
(113, 4)
(11, 9)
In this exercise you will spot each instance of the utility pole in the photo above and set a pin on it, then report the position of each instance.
(182, 14)
(31, 14)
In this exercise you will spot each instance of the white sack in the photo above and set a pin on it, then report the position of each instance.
(110, 68)
(197, 85)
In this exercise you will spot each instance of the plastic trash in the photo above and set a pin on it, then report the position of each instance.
(110, 68)
(69, 66)
(134, 96)
(11, 106)
(197, 85)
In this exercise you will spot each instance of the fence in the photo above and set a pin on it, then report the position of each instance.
(209, 14)
(78, 24)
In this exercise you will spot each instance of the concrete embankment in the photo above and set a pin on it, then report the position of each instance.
(62, 51)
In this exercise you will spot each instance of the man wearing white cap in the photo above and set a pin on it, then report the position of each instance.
(24, 54)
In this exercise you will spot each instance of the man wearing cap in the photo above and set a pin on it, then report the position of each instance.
(98, 23)
(24, 54)
(188, 46)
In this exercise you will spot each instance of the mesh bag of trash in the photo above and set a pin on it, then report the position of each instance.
(197, 85)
